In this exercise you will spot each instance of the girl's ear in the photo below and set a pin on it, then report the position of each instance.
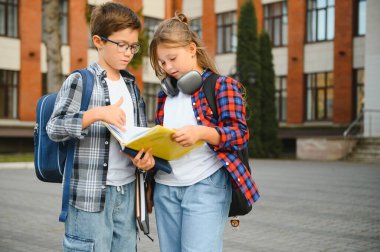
(193, 49)
(97, 41)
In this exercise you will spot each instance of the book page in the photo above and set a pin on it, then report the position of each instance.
(127, 136)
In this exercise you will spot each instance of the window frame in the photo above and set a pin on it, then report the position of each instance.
(11, 82)
(312, 91)
(150, 97)
(196, 26)
(281, 96)
(14, 5)
(315, 10)
(270, 18)
(359, 86)
(357, 33)
(223, 27)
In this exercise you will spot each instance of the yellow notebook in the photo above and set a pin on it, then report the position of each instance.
(158, 138)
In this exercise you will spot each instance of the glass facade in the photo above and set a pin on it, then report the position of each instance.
(319, 96)
(320, 20)
(276, 22)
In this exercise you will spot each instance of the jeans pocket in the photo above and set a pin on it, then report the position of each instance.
(219, 179)
(74, 243)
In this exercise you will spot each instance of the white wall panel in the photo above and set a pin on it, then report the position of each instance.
(280, 61)
(192, 8)
(10, 54)
(358, 53)
(319, 57)
(225, 5)
(154, 8)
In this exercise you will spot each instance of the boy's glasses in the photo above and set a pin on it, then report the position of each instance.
(122, 47)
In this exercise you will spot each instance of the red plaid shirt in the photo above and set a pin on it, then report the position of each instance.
(231, 126)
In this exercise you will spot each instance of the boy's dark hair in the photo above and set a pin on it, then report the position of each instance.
(112, 17)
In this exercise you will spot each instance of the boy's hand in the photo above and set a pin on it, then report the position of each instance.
(114, 115)
(187, 136)
(146, 162)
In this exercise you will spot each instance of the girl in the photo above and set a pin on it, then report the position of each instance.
(192, 203)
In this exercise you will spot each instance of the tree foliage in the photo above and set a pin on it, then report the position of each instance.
(248, 68)
(270, 141)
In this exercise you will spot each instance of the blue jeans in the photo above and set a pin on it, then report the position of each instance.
(192, 218)
(113, 229)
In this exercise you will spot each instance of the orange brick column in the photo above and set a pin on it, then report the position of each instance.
(296, 85)
(209, 26)
(259, 15)
(171, 7)
(30, 85)
(78, 34)
(343, 62)
(136, 6)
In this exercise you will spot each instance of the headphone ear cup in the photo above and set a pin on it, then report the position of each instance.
(169, 86)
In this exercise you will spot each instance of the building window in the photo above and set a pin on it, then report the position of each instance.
(196, 26)
(150, 26)
(226, 32)
(359, 91)
(281, 98)
(320, 20)
(361, 17)
(63, 21)
(319, 96)
(9, 18)
(276, 22)
(150, 96)
(8, 94)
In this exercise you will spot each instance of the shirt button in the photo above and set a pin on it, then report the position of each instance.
(193, 103)
(106, 142)
(227, 163)
(198, 118)
(105, 164)
(239, 180)
(107, 100)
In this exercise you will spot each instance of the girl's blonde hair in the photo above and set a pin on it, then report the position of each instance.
(176, 32)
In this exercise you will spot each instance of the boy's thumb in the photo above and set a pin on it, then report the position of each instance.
(119, 102)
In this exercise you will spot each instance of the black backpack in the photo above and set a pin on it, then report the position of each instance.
(239, 204)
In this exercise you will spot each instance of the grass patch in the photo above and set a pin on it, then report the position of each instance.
(18, 157)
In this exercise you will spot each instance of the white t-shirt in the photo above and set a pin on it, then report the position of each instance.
(120, 168)
(196, 165)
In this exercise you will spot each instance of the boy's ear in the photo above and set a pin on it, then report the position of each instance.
(97, 41)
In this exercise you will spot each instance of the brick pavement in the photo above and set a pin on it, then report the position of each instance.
(305, 206)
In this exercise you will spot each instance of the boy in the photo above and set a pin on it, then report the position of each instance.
(101, 215)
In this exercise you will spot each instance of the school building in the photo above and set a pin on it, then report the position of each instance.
(326, 55)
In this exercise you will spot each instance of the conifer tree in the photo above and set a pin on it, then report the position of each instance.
(248, 68)
(270, 142)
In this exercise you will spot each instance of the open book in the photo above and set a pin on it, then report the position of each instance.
(158, 138)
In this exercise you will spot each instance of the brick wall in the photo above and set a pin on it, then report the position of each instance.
(78, 34)
(296, 40)
(343, 62)
(30, 88)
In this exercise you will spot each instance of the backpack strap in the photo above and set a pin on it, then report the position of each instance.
(88, 86)
(209, 91)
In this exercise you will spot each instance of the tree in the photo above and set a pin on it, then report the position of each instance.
(51, 37)
(269, 138)
(247, 67)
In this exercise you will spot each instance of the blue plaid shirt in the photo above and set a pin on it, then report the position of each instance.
(88, 180)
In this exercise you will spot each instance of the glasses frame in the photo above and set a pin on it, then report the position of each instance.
(135, 48)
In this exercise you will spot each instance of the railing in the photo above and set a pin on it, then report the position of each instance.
(355, 130)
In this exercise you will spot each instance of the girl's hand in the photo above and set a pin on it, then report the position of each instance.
(114, 115)
(146, 163)
(188, 135)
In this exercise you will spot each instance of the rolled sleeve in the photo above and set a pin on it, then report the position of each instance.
(232, 127)
(66, 120)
